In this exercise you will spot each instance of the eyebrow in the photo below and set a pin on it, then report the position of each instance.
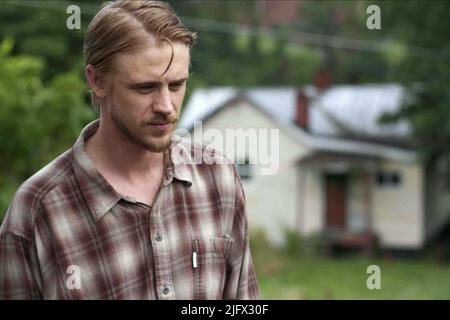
(156, 83)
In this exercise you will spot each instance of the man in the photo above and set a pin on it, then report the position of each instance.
(115, 217)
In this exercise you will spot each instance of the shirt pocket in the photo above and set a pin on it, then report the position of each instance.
(210, 267)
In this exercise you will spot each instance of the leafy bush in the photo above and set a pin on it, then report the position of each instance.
(304, 246)
(37, 121)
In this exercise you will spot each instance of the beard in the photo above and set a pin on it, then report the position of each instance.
(152, 141)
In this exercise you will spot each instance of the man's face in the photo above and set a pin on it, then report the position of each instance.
(142, 102)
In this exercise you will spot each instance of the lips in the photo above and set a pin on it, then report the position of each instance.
(161, 126)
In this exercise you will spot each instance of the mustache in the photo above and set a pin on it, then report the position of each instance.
(162, 120)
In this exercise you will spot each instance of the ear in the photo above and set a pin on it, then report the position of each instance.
(96, 81)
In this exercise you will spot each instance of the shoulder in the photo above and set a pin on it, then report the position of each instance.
(205, 162)
(201, 156)
(200, 153)
(25, 205)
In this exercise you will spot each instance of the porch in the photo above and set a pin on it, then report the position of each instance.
(346, 182)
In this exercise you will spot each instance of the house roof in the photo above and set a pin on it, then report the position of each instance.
(341, 118)
(204, 102)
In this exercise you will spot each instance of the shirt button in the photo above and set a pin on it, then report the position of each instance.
(158, 237)
(165, 290)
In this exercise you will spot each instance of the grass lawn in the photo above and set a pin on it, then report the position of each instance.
(283, 276)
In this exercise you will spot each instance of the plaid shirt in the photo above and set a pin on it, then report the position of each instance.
(69, 235)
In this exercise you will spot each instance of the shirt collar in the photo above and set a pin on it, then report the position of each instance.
(180, 170)
(99, 195)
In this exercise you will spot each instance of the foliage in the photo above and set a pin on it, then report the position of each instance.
(304, 246)
(37, 121)
(425, 73)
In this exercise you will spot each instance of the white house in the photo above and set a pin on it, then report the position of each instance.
(338, 170)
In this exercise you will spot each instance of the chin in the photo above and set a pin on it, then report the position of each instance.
(158, 145)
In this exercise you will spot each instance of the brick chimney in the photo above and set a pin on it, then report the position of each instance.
(321, 79)
(301, 111)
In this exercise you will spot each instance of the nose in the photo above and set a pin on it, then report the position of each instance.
(162, 103)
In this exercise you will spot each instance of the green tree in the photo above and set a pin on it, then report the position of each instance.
(424, 67)
(37, 121)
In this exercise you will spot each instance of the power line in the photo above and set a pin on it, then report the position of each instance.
(312, 38)
(300, 37)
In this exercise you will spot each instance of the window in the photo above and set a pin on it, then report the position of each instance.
(244, 169)
(388, 178)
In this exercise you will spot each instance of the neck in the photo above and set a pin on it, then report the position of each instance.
(114, 153)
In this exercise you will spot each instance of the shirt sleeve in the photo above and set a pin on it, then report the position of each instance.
(241, 281)
(17, 268)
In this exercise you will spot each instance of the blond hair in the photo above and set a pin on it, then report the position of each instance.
(124, 25)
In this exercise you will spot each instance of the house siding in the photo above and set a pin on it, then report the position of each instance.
(398, 211)
(311, 201)
(438, 196)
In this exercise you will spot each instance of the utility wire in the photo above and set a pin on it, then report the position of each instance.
(295, 36)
